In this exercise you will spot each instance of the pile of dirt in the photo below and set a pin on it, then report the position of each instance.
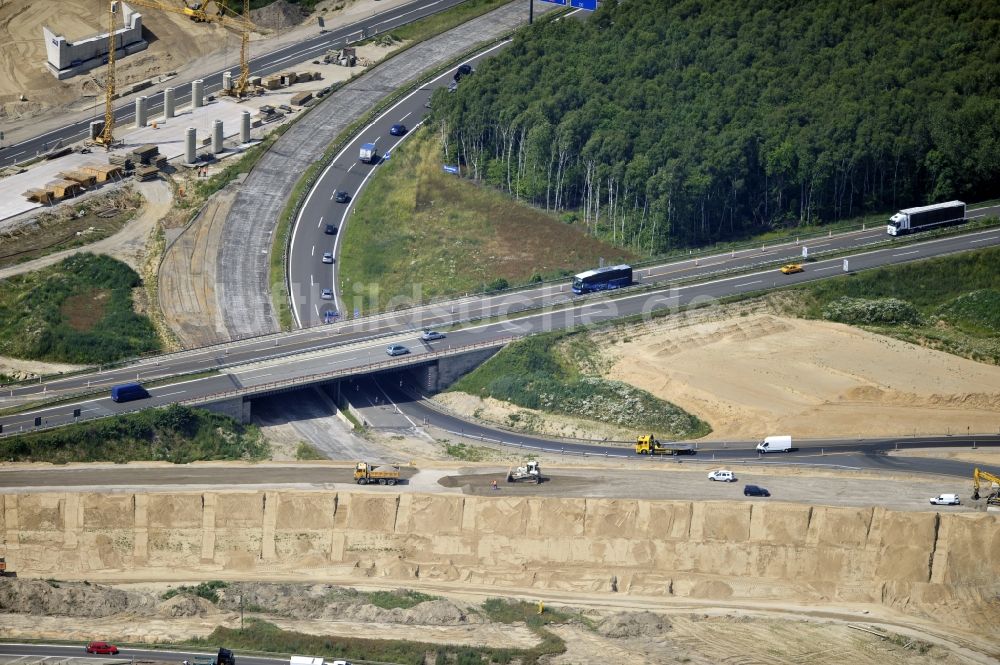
(278, 15)
(327, 602)
(23, 596)
(185, 605)
(633, 624)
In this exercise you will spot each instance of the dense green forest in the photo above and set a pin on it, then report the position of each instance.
(671, 123)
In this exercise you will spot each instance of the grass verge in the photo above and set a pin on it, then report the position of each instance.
(262, 636)
(176, 434)
(558, 373)
(951, 303)
(393, 252)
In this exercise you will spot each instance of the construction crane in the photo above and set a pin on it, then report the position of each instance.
(983, 477)
(237, 21)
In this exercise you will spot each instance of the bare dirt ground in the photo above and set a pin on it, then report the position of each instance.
(749, 372)
(762, 373)
(606, 634)
(177, 44)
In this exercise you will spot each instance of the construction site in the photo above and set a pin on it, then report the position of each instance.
(651, 564)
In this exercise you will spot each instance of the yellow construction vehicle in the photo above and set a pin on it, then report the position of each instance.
(387, 474)
(983, 477)
(647, 444)
(238, 22)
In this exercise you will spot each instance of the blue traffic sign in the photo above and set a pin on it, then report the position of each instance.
(450, 169)
(589, 5)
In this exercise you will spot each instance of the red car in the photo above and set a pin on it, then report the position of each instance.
(102, 647)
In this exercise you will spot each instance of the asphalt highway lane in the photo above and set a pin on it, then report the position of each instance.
(359, 344)
(48, 651)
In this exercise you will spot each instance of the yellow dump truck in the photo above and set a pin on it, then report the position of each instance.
(385, 474)
(647, 444)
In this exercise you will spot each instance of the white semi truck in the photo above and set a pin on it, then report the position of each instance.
(925, 217)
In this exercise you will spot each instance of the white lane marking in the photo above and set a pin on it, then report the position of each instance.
(748, 283)
(971, 242)
(332, 194)
(179, 392)
(313, 252)
(312, 281)
(377, 137)
(316, 307)
(252, 376)
(351, 166)
(977, 216)
(916, 251)
(822, 269)
(406, 116)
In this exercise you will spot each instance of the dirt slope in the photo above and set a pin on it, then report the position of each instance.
(760, 374)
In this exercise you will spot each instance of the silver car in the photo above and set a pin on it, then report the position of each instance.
(431, 335)
(327, 294)
(327, 257)
(396, 350)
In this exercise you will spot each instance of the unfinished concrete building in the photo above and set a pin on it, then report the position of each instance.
(66, 59)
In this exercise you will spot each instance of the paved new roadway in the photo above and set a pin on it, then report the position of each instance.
(261, 65)
(29, 653)
(355, 345)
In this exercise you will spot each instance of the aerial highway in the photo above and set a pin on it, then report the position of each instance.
(260, 66)
(358, 347)
(309, 271)
(28, 653)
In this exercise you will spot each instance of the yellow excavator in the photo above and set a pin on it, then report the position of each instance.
(984, 477)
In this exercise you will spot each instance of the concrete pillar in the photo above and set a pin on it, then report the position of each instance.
(227, 80)
(140, 112)
(190, 146)
(168, 103)
(197, 94)
(216, 137)
(245, 127)
(96, 127)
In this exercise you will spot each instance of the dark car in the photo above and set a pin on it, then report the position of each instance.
(102, 647)
(342, 197)
(463, 70)
(397, 129)
(754, 490)
(330, 230)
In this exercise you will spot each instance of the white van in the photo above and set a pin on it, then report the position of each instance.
(775, 444)
(946, 500)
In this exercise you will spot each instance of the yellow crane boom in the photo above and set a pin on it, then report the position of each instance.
(237, 21)
(980, 477)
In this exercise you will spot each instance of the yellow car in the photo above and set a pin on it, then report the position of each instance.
(792, 268)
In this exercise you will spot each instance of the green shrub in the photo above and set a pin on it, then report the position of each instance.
(403, 598)
(176, 434)
(976, 312)
(883, 311)
(77, 311)
(206, 590)
(535, 373)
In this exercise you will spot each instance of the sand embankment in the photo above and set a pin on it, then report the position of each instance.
(915, 562)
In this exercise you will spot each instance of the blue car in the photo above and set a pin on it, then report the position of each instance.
(397, 130)
(754, 490)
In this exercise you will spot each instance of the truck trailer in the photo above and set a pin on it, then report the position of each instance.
(647, 444)
(925, 217)
(368, 154)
